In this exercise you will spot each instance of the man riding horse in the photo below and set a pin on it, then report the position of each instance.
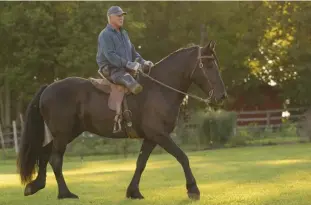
(116, 54)
(79, 107)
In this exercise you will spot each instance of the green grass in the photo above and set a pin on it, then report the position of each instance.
(274, 175)
(274, 140)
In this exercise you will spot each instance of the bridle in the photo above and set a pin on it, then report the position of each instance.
(201, 66)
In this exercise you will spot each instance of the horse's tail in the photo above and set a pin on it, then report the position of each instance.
(31, 140)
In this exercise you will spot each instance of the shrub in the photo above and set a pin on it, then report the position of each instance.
(207, 129)
(241, 138)
(218, 127)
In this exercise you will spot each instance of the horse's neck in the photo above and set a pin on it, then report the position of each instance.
(172, 76)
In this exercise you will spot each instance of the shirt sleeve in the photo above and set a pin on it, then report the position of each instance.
(135, 55)
(107, 46)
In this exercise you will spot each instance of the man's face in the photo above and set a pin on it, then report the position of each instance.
(117, 20)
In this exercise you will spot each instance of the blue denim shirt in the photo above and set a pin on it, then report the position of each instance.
(115, 48)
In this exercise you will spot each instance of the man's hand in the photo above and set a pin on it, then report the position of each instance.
(133, 66)
(148, 63)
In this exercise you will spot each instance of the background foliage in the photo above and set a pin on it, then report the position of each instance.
(45, 41)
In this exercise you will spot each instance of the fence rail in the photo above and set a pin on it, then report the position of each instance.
(267, 118)
(10, 139)
(272, 111)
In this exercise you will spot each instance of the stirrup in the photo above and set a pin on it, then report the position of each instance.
(129, 116)
(117, 123)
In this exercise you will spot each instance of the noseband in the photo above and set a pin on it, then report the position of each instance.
(201, 66)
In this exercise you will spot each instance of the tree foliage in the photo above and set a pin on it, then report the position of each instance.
(45, 41)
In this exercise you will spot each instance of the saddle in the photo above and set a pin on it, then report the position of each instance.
(116, 102)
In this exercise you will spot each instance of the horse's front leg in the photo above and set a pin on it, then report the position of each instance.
(145, 151)
(169, 145)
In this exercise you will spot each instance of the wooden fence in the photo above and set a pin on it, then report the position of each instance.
(10, 139)
(268, 118)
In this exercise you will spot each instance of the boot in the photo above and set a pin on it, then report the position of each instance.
(128, 81)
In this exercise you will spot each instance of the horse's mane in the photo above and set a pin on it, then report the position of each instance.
(177, 52)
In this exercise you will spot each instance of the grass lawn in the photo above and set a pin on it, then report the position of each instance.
(274, 175)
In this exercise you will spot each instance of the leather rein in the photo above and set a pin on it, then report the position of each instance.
(201, 66)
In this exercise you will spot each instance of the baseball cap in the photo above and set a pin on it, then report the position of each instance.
(115, 10)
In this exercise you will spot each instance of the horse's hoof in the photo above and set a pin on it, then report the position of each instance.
(67, 196)
(32, 188)
(134, 194)
(193, 192)
(194, 196)
(28, 191)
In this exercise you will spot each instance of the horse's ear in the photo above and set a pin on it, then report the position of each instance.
(210, 46)
(207, 46)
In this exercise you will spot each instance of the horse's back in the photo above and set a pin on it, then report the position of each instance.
(64, 90)
(75, 99)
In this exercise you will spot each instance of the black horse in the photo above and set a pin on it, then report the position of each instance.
(73, 105)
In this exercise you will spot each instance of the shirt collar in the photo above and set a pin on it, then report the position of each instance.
(113, 29)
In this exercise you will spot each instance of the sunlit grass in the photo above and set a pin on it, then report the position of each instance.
(280, 162)
(278, 175)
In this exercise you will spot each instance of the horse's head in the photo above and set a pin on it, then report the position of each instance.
(206, 73)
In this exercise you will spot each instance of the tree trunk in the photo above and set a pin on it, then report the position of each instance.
(2, 105)
(7, 104)
(19, 108)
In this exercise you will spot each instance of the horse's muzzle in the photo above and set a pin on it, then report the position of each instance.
(221, 98)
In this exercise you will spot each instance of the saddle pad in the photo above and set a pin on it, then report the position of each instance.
(116, 92)
(101, 84)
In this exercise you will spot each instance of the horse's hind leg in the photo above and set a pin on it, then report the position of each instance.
(39, 182)
(56, 161)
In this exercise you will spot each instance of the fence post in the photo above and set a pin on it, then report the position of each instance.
(15, 136)
(268, 119)
(2, 139)
(22, 122)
